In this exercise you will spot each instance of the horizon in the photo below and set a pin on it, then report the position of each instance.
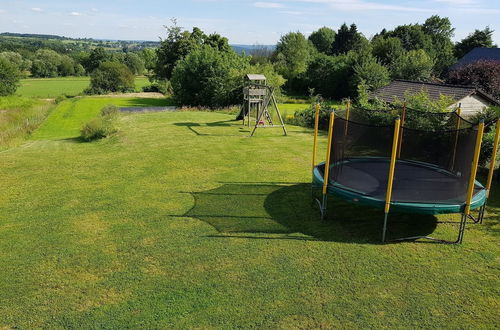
(242, 22)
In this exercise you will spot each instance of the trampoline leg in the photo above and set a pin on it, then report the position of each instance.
(482, 211)
(461, 231)
(324, 205)
(384, 229)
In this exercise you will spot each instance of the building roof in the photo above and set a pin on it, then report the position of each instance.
(479, 54)
(258, 77)
(398, 88)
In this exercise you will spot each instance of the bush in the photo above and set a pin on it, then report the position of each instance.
(9, 77)
(489, 116)
(102, 126)
(162, 86)
(111, 77)
(209, 77)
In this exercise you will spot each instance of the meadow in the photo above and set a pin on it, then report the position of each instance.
(183, 221)
(70, 86)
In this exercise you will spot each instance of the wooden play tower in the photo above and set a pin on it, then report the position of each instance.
(257, 98)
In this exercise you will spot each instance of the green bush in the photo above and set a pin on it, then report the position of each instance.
(111, 77)
(102, 126)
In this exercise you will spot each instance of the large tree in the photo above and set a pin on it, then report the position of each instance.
(478, 38)
(323, 39)
(413, 65)
(293, 54)
(483, 74)
(347, 38)
(441, 32)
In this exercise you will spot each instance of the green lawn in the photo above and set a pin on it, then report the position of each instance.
(53, 87)
(183, 221)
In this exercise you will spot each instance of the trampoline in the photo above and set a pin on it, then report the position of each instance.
(406, 162)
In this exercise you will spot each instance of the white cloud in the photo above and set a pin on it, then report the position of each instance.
(268, 5)
(94, 10)
(361, 5)
(75, 13)
(2, 11)
(37, 9)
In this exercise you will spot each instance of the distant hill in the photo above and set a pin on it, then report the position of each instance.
(33, 41)
(248, 49)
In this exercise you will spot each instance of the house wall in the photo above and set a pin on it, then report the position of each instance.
(471, 105)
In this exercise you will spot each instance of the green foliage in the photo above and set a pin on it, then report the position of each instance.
(179, 44)
(422, 101)
(478, 38)
(111, 77)
(440, 31)
(484, 75)
(347, 39)
(209, 77)
(293, 54)
(490, 116)
(134, 62)
(387, 50)
(9, 77)
(274, 79)
(97, 56)
(45, 63)
(102, 126)
(372, 74)
(23, 65)
(150, 58)
(323, 40)
(413, 65)
(412, 37)
(328, 75)
(161, 86)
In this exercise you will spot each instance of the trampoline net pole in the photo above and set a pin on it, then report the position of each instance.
(493, 159)
(459, 112)
(328, 153)
(392, 166)
(403, 118)
(475, 163)
(315, 143)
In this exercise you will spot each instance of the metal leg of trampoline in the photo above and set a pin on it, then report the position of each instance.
(384, 229)
(324, 205)
(482, 211)
(460, 237)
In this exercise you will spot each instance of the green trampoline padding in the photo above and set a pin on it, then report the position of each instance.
(418, 187)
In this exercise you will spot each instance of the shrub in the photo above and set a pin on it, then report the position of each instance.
(161, 86)
(9, 77)
(111, 77)
(102, 126)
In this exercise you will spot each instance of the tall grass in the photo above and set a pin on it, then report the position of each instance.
(19, 117)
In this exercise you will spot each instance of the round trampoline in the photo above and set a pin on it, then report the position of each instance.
(417, 188)
(406, 161)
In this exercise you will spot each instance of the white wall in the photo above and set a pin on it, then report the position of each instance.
(471, 105)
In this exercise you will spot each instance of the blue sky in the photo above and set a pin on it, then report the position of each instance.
(242, 21)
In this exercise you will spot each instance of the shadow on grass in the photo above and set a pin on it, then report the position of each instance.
(224, 123)
(247, 210)
(151, 102)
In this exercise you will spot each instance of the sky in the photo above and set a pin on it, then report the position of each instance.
(241, 21)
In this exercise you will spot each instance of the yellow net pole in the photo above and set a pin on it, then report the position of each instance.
(392, 166)
(475, 163)
(493, 159)
(459, 112)
(403, 118)
(328, 153)
(316, 127)
(347, 115)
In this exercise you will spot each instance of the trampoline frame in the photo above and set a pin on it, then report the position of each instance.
(468, 204)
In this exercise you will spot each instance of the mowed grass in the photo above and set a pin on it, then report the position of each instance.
(183, 221)
(53, 87)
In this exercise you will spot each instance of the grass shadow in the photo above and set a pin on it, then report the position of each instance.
(151, 102)
(247, 210)
(224, 123)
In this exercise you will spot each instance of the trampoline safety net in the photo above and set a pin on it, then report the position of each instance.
(433, 163)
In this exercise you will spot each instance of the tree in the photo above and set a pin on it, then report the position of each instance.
(9, 77)
(484, 75)
(328, 75)
(441, 32)
(387, 50)
(97, 56)
(66, 66)
(412, 37)
(46, 63)
(111, 77)
(149, 57)
(478, 38)
(323, 39)
(179, 44)
(414, 65)
(370, 73)
(293, 53)
(260, 54)
(134, 63)
(18, 60)
(346, 39)
(209, 77)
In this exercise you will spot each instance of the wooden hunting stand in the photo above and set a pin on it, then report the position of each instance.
(257, 96)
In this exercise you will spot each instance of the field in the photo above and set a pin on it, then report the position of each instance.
(53, 87)
(183, 221)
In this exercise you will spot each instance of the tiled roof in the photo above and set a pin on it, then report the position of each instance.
(479, 54)
(397, 88)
